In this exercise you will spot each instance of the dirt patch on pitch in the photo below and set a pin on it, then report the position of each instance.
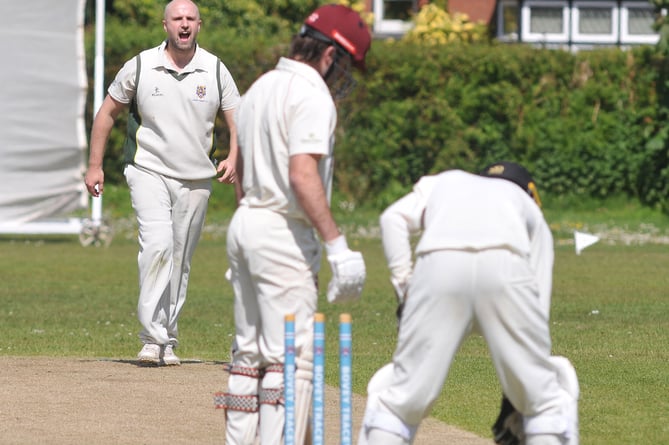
(75, 401)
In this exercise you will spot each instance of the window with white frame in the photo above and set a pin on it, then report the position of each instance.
(507, 20)
(393, 16)
(584, 22)
(636, 23)
(545, 21)
(595, 22)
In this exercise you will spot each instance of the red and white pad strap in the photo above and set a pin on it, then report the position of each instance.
(239, 402)
(236, 402)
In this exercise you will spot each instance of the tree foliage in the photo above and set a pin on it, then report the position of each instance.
(435, 26)
(245, 17)
(653, 185)
(592, 123)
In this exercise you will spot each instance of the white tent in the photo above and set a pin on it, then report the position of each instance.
(42, 125)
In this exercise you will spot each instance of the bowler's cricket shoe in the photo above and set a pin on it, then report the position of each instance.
(149, 355)
(169, 357)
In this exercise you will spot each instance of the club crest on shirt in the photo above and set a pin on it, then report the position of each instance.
(201, 91)
(311, 138)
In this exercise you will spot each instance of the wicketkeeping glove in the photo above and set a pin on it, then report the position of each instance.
(508, 428)
(401, 287)
(348, 271)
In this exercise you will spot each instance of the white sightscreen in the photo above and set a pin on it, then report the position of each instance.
(42, 103)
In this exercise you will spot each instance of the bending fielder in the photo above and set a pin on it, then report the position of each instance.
(484, 261)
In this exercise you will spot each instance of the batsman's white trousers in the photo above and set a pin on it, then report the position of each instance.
(274, 262)
(450, 292)
(170, 216)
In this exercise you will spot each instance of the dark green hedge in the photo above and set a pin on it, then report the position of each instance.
(580, 122)
(587, 124)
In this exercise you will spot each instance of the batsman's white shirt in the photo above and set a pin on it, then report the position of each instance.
(173, 121)
(288, 111)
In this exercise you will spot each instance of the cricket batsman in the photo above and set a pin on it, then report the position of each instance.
(286, 123)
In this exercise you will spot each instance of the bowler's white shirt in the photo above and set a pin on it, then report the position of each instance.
(175, 126)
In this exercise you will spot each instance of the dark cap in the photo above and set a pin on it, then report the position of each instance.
(345, 27)
(515, 173)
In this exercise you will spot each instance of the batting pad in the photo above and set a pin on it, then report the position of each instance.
(272, 413)
(241, 407)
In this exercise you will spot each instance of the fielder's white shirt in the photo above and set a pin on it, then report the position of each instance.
(287, 111)
(462, 211)
(171, 132)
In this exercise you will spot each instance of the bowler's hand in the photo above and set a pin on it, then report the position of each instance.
(226, 172)
(94, 180)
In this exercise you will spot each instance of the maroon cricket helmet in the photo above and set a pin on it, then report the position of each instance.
(345, 27)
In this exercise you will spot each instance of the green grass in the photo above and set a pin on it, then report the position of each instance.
(610, 316)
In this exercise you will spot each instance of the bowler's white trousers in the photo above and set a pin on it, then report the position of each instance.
(451, 292)
(170, 216)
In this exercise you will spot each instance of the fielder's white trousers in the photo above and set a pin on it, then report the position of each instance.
(274, 262)
(451, 291)
(170, 216)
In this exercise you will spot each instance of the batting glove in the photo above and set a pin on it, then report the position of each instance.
(348, 271)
